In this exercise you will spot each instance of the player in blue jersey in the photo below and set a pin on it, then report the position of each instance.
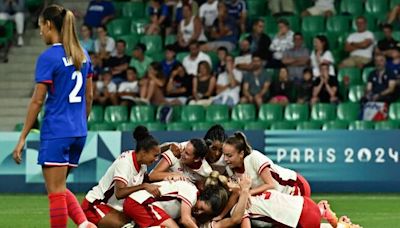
(63, 74)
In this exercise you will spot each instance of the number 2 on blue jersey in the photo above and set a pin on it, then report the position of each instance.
(73, 96)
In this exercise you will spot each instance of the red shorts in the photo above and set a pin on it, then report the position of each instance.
(95, 211)
(144, 215)
(310, 215)
(303, 186)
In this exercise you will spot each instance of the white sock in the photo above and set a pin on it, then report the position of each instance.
(84, 224)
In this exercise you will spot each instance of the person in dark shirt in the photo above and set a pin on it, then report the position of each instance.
(305, 88)
(281, 90)
(259, 41)
(222, 52)
(179, 86)
(118, 63)
(388, 44)
(325, 87)
(160, 18)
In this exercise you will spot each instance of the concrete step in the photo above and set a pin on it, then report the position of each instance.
(15, 112)
(16, 93)
(17, 77)
(16, 69)
(10, 85)
(22, 59)
(8, 123)
(14, 102)
(28, 50)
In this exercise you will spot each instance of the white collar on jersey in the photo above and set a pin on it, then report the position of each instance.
(57, 44)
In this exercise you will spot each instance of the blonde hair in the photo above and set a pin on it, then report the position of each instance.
(215, 179)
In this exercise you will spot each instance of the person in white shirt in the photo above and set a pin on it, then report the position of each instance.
(104, 46)
(208, 12)
(321, 8)
(360, 45)
(104, 91)
(283, 40)
(103, 204)
(321, 54)
(192, 61)
(128, 92)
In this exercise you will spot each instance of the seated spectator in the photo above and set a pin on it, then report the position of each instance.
(281, 91)
(179, 86)
(118, 63)
(104, 46)
(192, 61)
(393, 64)
(190, 30)
(243, 61)
(297, 58)
(222, 52)
(256, 84)
(321, 54)
(325, 87)
(388, 45)
(381, 82)
(152, 85)
(179, 9)
(321, 8)
(105, 91)
(228, 84)
(128, 91)
(160, 19)
(86, 40)
(259, 41)
(393, 16)
(169, 62)
(14, 10)
(224, 33)
(282, 41)
(237, 9)
(304, 90)
(360, 45)
(97, 65)
(281, 7)
(140, 61)
(98, 13)
(204, 83)
(208, 12)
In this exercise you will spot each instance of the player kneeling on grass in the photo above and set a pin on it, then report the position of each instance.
(103, 204)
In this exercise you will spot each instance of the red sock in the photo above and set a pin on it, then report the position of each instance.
(75, 211)
(58, 210)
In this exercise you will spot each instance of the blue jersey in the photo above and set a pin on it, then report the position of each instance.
(65, 107)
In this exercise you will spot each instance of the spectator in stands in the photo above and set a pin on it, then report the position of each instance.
(119, 62)
(381, 82)
(97, 65)
(224, 32)
(325, 87)
(259, 41)
(98, 13)
(304, 90)
(282, 41)
(208, 13)
(321, 54)
(179, 86)
(228, 84)
(321, 8)
(256, 84)
(388, 45)
(190, 29)
(105, 91)
(280, 7)
(204, 83)
(237, 9)
(281, 90)
(222, 52)
(360, 45)
(170, 61)
(152, 85)
(14, 10)
(86, 40)
(160, 18)
(393, 16)
(297, 58)
(128, 91)
(104, 46)
(140, 61)
(179, 9)
(243, 61)
(393, 64)
(192, 61)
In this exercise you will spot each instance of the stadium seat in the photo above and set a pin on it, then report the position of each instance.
(386, 125)
(214, 58)
(117, 6)
(101, 127)
(273, 73)
(335, 125)
(313, 25)
(365, 73)
(337, 25)
(153, 43)
(376, 7)
(350, 76)
(394, 111)
(180, 56)
(232, 126)
(348, 111)
(323, 112)
(19, 127)
(296, 112)
(243, 112)
(118, 27)
(131, 41)
(139, 26)
(356, 93)
(192, 113)
(270, 112)
(128, 126)
(394, 3)
(217, 113)
(361, 125)
(294, 22)
(154, 126)
(352, 7)
(256, 8)
(256, 125)
(142, 114)
(96, 114)
(116, 114)
(170, 39)
(133, 10)
(270, 25)
(282, 125)
(309, 125)
(202, 126)
(176, 113)
(179, 126)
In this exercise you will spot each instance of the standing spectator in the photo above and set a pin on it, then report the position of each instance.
(237, 9)
(243, 61)
(192, 61)
(128, 91)
(321, 54)
(222, 52)
(140, 61)
(325, 88)
(179, 86)
(86, 40)
(119, 63)
(160, 19)
(282, 41)
(304, 90)
(360, 45)
(388, 45)
(208, 13)
(297, 58)
(14, 10)
(321, 8)
(259, 41)
(204, 83)
(256, 84)
(105, 91)
(280, 7)
(381, 83)
(152, 85)
(98, 13)
(282, 89)
(169, 62)
(104, 46)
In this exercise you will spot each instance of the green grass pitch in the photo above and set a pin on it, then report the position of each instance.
(369, 210)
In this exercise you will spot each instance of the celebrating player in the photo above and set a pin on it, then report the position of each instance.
(63, 73)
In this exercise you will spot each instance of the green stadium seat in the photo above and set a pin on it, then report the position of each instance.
(270, 25)
(118, 27)
(153, 43)
(232, 126)
(356, 93)
(243, 112)
(170, 39)
(352, 7)
(214, 58)
(394, 111)
(180, 56)
(102, 127)
(270, 112)
(157, 56)
(139, 26)
(350, 76)
(376, 7)
(128, 126)
(361, 125)
(9, 32)
(365, 73)
(96, 114)
(337, 24)
(313, 25)
(294, 22)
(259, 125)
(154, 126)
(116, 114)
(273, 73)
(396, 35)
(323, 112)
(394, 3)
(348, 111)
(202, 126)
(386, 125)
(335, 125)
(117, 6)
(282, 125)
(131, 41)
(309, 125)
(19, 127)
(296, 112)
(256, 8)
(217, 113)
(142, 114)
(179, 126)
(176, 113)
(192, 113)
(134, 10)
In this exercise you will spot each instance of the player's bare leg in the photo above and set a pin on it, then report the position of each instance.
(113, 219)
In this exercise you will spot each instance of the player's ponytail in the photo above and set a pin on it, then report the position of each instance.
(215, 193)
(215, 179)
(144, 141)
(70, 40)
(239, 141)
